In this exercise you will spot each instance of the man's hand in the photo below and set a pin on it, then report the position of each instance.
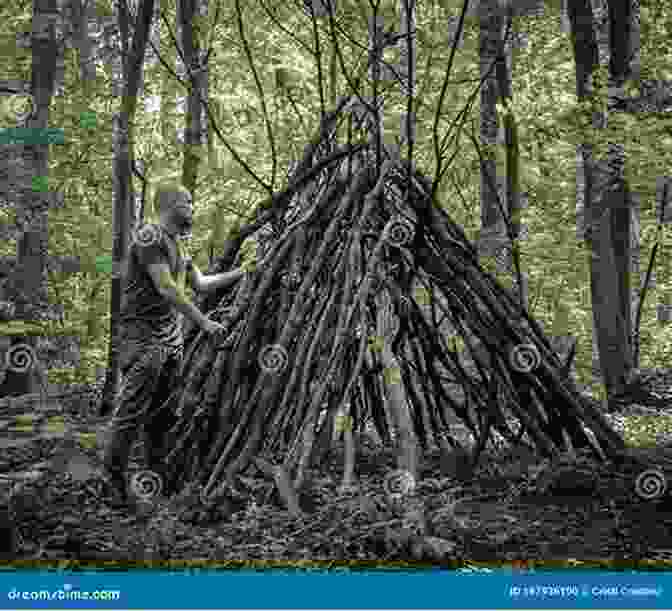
(213, 282)
(214, 329)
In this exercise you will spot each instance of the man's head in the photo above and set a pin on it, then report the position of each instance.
(173, 203)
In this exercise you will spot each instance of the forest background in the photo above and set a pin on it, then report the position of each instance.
(267, 84)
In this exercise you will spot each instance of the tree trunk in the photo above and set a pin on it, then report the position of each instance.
(123, 156)
(611, 317)
(192, 14)
(87, 68)
(612, 261)
(490, 32)
(29, 277)
(396, 400)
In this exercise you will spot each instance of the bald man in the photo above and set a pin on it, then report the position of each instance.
(151, 344)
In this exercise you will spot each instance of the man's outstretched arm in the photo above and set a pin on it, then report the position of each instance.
(211, 283)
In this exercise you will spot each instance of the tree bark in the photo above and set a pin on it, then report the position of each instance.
(123, 158)
(490, 33)
(29, 277)
(191, 15)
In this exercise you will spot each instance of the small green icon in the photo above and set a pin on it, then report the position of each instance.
(88, 119)
(41, 184)
(104, 264)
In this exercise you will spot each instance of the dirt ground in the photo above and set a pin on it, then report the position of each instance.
(513, 510)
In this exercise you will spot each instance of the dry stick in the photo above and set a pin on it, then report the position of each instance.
(340, 270)
(308, 365)
(294, 418)
(419, 407)
(370, 382)
(591, 417)
(311, 363)
(323, 435)
(475, 311)
(350, 451)
(422, 413)
(312, 335)
(349, 462)
(294, 272)
(234, 324)
(339, 345)
(258, 303)
(194, 375)
(212, 386)
(300, 352)
(348, 268)
(252, 443)
(480, 366)
(542, 441)
(426, 396)
(433, 348)
(197, 354)
(283, 484)
(440, 353)
(461, 411)
(296, 315)
(210, 403)
(242, 351)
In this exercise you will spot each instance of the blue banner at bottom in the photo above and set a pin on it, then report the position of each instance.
(333, 590)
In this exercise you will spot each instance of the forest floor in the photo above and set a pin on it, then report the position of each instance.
(514, 510)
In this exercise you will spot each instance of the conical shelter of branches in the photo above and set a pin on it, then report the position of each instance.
(351, 316)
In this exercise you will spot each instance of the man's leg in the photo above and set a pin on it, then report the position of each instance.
(162, 417)
(140, 379)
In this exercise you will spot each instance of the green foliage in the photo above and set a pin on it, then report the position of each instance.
(549, 121)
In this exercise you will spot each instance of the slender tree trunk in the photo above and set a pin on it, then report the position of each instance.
(82, 15)
(192, 15)
(29, 277)
(611, 215)
(490, 32)
(594, 200)
(123, 156)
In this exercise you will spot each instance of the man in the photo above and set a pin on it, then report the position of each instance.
(151, 332)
